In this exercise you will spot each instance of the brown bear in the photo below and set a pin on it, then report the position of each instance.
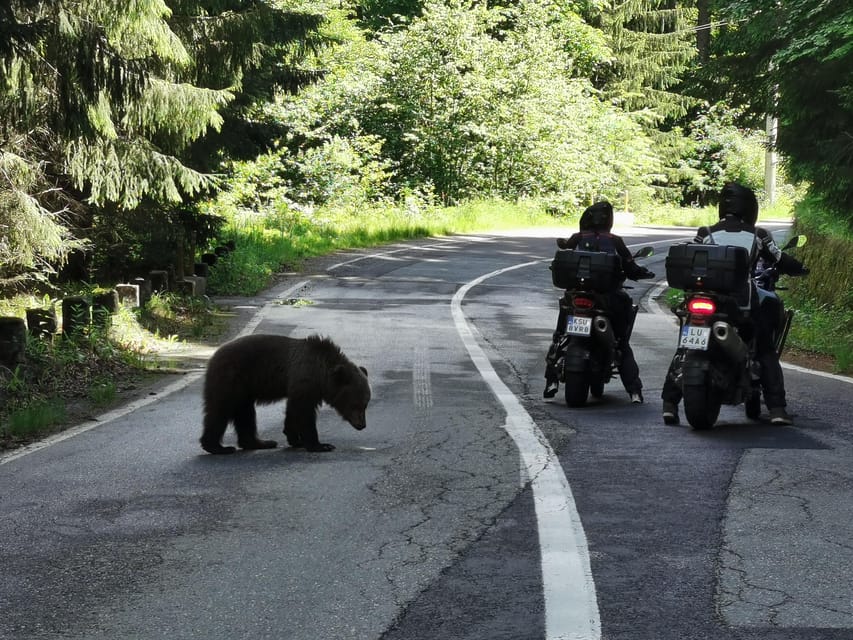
(262, 369)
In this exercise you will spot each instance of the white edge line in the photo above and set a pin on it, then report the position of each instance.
(571, 607)
(122, 411)
(815, 372)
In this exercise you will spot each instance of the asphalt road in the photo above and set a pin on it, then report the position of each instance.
(470, 508)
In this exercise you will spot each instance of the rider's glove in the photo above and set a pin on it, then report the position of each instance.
(646, 274)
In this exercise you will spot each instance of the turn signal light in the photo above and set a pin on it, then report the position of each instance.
(701, 306)
(583, 303)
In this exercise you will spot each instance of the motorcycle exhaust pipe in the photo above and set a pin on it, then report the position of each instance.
(732, 344)
(603, 330)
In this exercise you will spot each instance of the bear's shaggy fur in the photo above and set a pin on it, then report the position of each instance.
(262, 369)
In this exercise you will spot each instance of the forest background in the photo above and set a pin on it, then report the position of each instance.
(140, 135)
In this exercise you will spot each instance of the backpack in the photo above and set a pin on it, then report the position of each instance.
(597, 241)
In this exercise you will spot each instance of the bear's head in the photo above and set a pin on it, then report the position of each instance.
(351, 394)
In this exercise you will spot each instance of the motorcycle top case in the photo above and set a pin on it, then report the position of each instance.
(713, 267)
(586, 270)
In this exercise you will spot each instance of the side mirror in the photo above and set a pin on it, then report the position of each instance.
(645, 252)
(795, 242)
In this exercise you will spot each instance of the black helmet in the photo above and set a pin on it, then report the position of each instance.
(739, 201)
(597, 217)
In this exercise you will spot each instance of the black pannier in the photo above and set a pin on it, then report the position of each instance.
(714, 267)
(586, 270)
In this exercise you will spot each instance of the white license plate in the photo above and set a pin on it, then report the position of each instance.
(579, 326)
(695, 337)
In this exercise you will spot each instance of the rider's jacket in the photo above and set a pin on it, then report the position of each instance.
(733, 231)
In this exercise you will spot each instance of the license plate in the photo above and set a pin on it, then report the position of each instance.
(695, 337)
(579, 326)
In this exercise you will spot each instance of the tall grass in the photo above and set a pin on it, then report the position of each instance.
(268, 244)
(35, 418)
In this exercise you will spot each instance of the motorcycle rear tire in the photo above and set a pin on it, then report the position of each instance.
(701, 406)
(576, 389)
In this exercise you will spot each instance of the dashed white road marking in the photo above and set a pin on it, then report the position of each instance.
(422, 386)
(571, 608)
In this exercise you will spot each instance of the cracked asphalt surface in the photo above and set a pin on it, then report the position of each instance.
(422, 526)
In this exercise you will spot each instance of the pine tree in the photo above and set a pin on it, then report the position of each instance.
(255, 48)
(91, 112)
(653, 44)
(102, 100)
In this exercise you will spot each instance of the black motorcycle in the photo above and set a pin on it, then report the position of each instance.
(586, 353)
(716, 361)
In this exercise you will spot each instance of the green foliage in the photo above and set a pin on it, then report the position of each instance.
(376, 14)
(721, 152)
(795, 59)
(90, 111)
(102, 392)
(464, 102)
(171, 316)
(823, 299)
(35, 418)
(34, 238)
(828, 258)
(652, 46)
(268, 244)
(100, 104)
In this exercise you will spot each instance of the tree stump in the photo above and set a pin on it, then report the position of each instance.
(13, 341)
(104, 306)
(41, 323)
(76, 316)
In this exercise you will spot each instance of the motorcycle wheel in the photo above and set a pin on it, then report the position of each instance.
(752, 406)
(701, 406)
(576, 389)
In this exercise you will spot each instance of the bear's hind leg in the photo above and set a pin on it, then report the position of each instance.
(215, 424)
(246, 425)
(300, 426)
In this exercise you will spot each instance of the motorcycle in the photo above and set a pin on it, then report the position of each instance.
(716, 361)
(586, 352)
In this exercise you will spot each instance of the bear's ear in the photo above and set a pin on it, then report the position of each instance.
(364, 371)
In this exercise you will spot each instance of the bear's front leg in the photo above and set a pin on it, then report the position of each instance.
(300, 426)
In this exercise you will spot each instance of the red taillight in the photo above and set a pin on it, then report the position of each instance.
(583, 303)
(701, 306)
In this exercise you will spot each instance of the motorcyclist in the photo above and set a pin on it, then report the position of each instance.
(595, 234)
(738, 213)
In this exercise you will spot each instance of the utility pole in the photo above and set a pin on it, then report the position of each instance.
(770, 159)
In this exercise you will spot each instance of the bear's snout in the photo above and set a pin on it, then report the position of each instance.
(358, 420)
